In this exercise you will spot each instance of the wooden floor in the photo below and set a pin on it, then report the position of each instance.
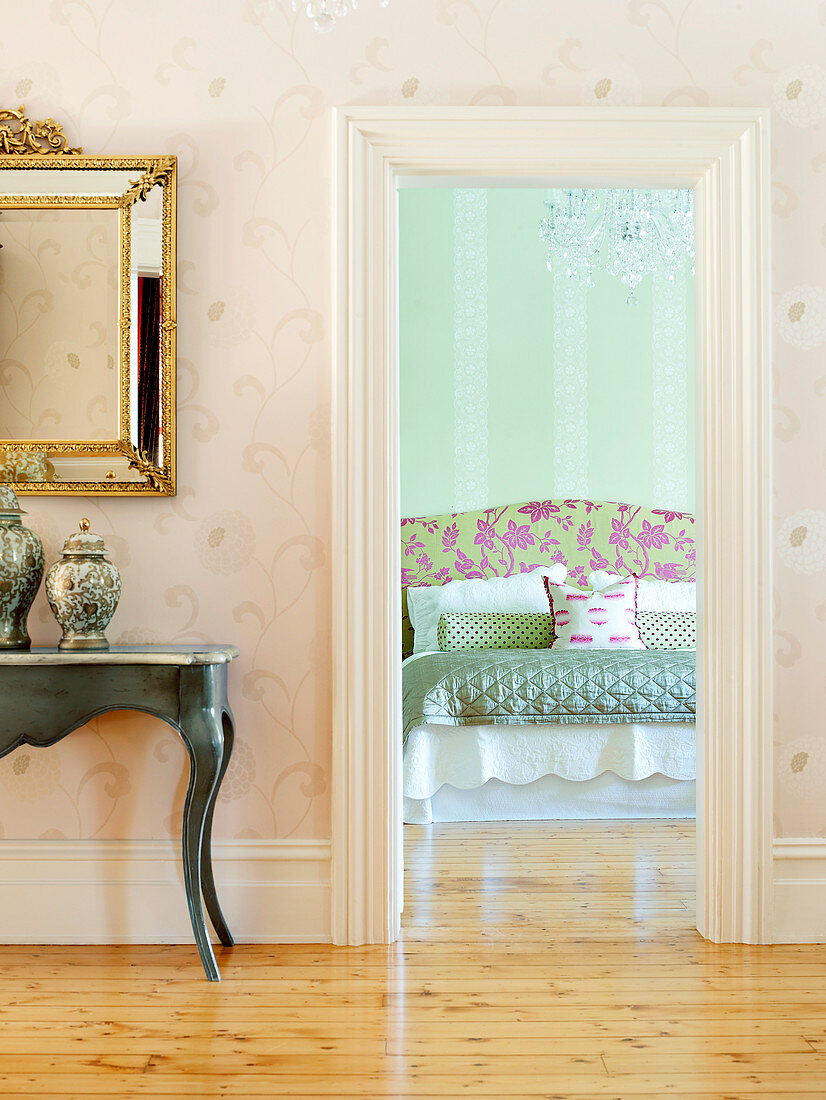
(537, 960)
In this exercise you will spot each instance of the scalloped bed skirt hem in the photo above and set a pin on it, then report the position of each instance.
(552, 798)
(467, 757)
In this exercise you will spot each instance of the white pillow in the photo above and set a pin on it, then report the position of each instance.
(521, 592)
(600, 619)
(654, 594)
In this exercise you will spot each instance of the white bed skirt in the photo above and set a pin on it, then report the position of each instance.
(552, 798)
(586, 770)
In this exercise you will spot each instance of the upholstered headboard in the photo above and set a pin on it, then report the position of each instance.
(584, 534)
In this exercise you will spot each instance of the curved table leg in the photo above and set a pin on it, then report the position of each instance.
(207, 876)
(202, 731)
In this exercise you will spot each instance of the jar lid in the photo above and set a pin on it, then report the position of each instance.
(85, 542)
(9, 504)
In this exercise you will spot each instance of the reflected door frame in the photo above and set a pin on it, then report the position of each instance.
(723, 155)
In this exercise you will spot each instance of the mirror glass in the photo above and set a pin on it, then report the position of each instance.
(58, 324)
(146, 287)
(87, 324)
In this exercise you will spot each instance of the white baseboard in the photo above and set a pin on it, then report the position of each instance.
(123, 891)
(799, 890)
(271, 891)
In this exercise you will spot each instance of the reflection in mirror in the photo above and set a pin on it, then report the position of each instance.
(146, 334)
(87, 316)
(58, 324)
(65, 181)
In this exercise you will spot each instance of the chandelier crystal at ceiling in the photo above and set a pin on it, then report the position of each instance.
(627, 232)
(324, 13)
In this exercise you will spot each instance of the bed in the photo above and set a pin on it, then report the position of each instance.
(541, 733)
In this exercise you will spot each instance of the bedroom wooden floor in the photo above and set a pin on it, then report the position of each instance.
(537, 960)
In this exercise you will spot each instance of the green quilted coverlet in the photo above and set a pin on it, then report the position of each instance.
(475, 687)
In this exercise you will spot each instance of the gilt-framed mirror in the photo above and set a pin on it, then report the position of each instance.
(87, 316)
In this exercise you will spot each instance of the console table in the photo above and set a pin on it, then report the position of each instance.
(47, 694)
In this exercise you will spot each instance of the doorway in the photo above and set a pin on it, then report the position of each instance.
(722, 157)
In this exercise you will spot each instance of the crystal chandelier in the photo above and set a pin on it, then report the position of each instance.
(325, 12)
(628, 233)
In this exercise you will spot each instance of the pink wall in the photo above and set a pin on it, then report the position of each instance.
(242, 94)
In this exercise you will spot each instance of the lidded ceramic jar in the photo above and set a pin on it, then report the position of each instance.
(19, 466)
(21, 568)
(83, 589)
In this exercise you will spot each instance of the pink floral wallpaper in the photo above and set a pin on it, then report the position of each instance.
(582, 534)
(242, 92)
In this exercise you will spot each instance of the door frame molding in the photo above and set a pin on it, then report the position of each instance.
(723, 153)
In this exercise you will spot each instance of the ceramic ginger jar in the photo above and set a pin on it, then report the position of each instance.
(21, 568)
(83, 589)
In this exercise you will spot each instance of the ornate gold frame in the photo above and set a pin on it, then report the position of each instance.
(25, 144)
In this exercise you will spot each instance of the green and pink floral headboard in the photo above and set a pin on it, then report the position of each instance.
(584, 534)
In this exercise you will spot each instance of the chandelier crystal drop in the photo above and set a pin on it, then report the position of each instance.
(324, 13)
(628, 233)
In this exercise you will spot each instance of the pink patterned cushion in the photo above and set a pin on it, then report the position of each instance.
(595, 620)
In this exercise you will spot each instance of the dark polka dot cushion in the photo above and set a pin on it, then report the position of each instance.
(668, 629)
(495, 630)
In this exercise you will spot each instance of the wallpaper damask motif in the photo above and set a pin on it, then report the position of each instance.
(242, 93)
(671, 475)
(470, 338)
(569, 417)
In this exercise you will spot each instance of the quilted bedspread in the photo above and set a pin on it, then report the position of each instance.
(474, 687)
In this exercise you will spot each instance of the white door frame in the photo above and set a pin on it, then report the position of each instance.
(724, 155)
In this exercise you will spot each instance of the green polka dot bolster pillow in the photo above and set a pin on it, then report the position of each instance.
(668, 629)
(495, 630)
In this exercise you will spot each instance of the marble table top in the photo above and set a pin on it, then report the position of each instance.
(123, 655)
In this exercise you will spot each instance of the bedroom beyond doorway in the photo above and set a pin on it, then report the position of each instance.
(546, 359)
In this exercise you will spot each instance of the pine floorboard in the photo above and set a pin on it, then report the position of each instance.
(553, 959)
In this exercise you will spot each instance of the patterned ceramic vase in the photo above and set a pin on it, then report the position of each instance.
(21, 567)
(83, 590)
(25, 466)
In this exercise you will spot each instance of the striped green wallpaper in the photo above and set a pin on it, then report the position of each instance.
(519, 384)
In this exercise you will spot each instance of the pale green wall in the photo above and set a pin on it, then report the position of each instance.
(522, 411)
